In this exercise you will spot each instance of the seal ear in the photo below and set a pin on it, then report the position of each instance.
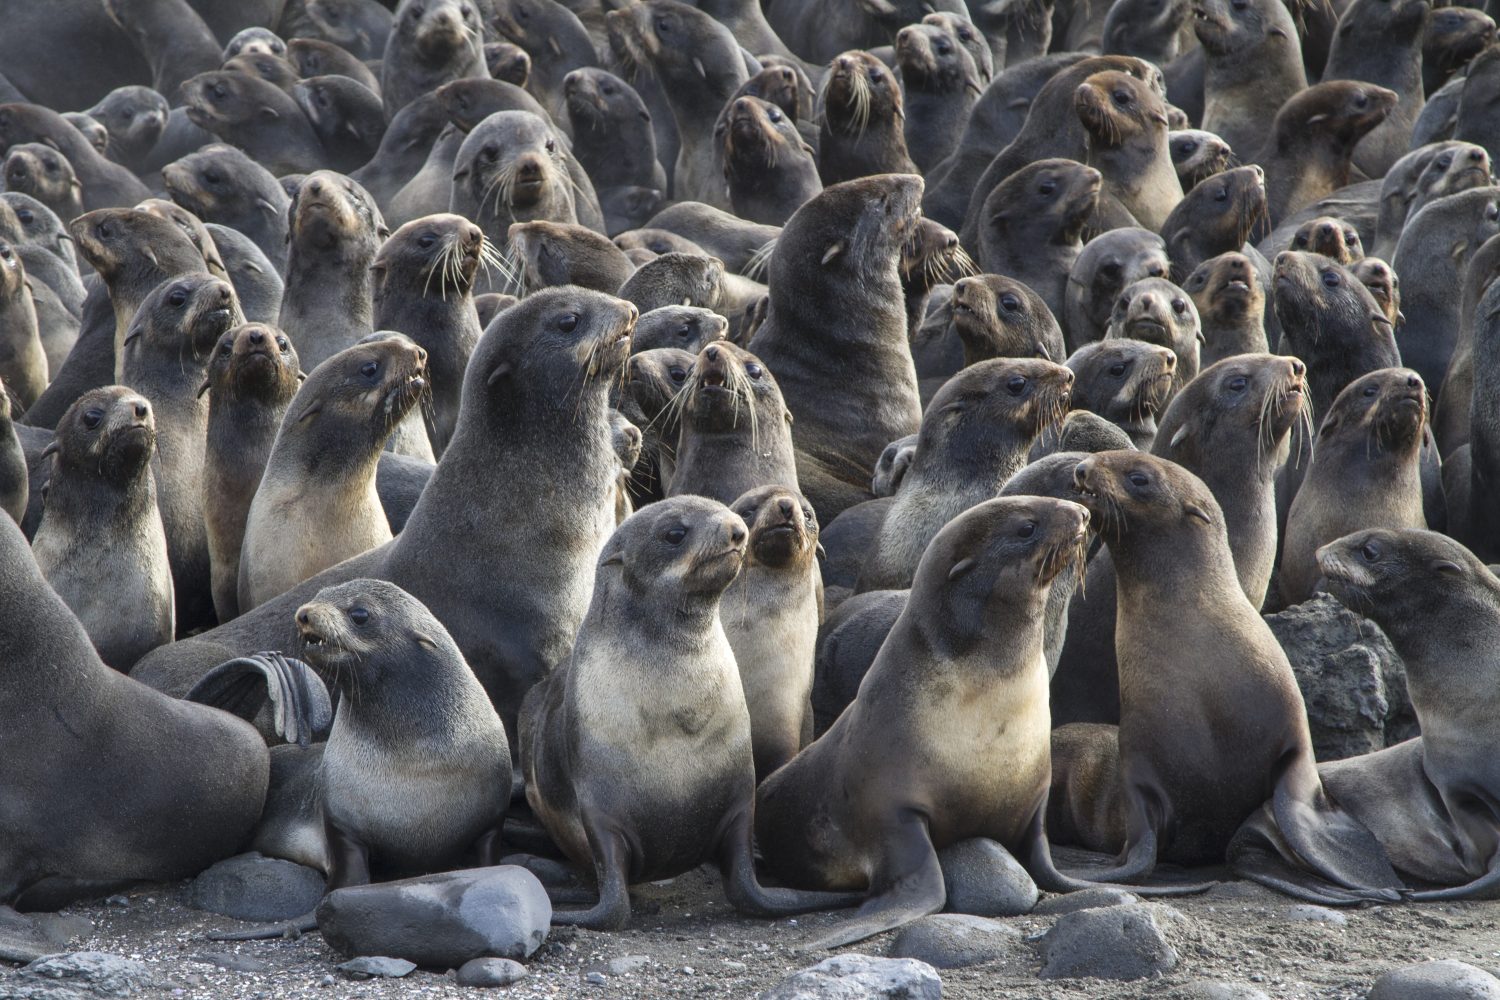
(266, 111)
(313, 409)
(834, 249)
(203, 388)
(51, 449)
(1315, 119)
(501, 371)
(1446, 567)
(1180, 436)
(424, 641)
(960, 568)
(1193, 510)
(150, 254)
(266, 206)
(698, 65)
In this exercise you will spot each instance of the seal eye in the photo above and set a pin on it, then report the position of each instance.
(92, 417)
(1370, 551)
(551, 145)
(358, 615)
(568, 322)
(1026, 530)
(1300, 241)
(1179, 306)
(677, 374)
(1047, 186)
(125, 116)
(1117, 370)
(1445, 161)
(773, 113)
(1222, 194)
(1009, 302)
(211, 177)
(1122, 97)
(227, 349)
(104, 231)
(1138, 479)
(674, 536)
(283, 344)
(874, 75)
(1332, 279)
(663, 26)
(177, 297)
(1016, 384)
(1238, 383)
(943, 48)
(1239, 4)
(369, 369)
(1156, 271)
(219, 91)
(1371, 390)
(25, 216)
(1110, 270)
(754, 370)
(426, 242)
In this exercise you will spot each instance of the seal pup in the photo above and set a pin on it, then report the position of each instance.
(412, 717)
(975, 435)
(1330, 237)
(171, 36)
(771, 614)
(23, 359)
(1198, 155)
(252, 377)
(735, 430)
(995, 316)
(1216, 216)
(101, 544)
(346, 115)
(1107, 264)
(558, 253)
(316, 504)
(1252, 60)
(653, 378)
(39, 170)
(422, 285)
(1365, 472)
(256, 116)
(431, 43)
(315, 57)
(966, 650)
(335, 233)
(612, 134)
(687, 328)
(1231, 303)
(940, 81)
(221, 184)
(1454, 36)
(135, 118)
(1177, 792)
(861, 116)
(768, 167)
(836, 294)
(1426, 800)
(675, 279)
(1380, 42)
(537, 385)
(1127, 382)
(256, 281)
(105, 184)
(601, 756)
(15, 477)
(1158, 312)
(1126, 123)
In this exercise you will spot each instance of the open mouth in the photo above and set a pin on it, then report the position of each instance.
(1146, 326)
(713, 380)
(313, 639)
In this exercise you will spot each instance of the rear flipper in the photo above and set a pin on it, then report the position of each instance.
(300, 706)
(1039, 865)
(1486, 886)
(907, 885)
(747, 895)
(1259, 852)
(293, 928)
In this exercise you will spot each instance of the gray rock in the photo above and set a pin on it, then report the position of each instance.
(252, 887)
(233, 962)
(1353, 682)
(377, 967)
(1083, 899)
(442, 920)
(954, 940)
(1447, 980)
(596, 978)
(860, 977)
(1316, 915)
(983, 879)
(622, 965)
(1208, 989)
(28, 937)
(491, 972)
(1115, 942)
(98, 972)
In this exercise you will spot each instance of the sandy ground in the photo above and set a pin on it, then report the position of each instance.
(698, 947)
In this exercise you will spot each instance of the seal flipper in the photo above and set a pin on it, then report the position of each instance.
(908, 885)
(301, 708)
(1486, 886)
(611, 862)
(1328, 840)
(748, 896)
(1260, 853)
(1039, 865)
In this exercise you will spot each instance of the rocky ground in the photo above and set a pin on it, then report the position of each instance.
(685, 942)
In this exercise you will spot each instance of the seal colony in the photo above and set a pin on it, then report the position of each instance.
(803, 437)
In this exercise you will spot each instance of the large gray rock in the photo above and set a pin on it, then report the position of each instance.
(955, 940)
(252, 887)
(983, 879)
(860, 977)
(1208, 989)
(441, 921)
(1448, 980)
(1114, 942)
(1083, 899)
(1353, 682)
(97, 972)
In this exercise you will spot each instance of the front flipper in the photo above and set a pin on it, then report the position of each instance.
(1142, 812)
(907, 885)
(301, 709)
(748, 896)
(349, 864)
(611, 862)
(1037, 860)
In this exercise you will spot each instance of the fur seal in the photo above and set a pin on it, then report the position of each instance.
(1226, 290)
(422, 286)
(357, 26)
(254, 115)
(1107, 265)
(1307, 154)
(255, 40)
(612, 135)
(404, 148)
(1252, 66)
(135, 118)
(256, 281)
(1158, 312)
(431, 43)
(741, 245)
(735, 431)
(771, 613)
(559, 253)
(403, 685)
(861, 121)
(317, 502)
(1365, 472)
(1127, 127)
(1032, 225)
(1454, 35)
(595, 746)
(975, 436)
(676, 279)
(171, 36)
(39, 170)
(221, 184)
(335, 232)
(272, 69)
(1422, 799)
(821, 32)
(1161, 792)
(769, 169)
(251, 379)
(540, 375)
(553, 36)
(315, 57)
(346, 115)
(1198, 155)
(1380, 42)
(999, 317)
(1330, 237)
(1127, 382)
(101, 544)
(940, 81)
(508, 62)
(168, 346)
(1216, 216)
(15, 477)
(653, 378)
(836, 294)
(967, 649)
(687, 328)
(105, 184)
(1377, 276)
(23, 360)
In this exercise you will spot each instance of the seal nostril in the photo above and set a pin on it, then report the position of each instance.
(141, 409)
(303, 618)
(737, 533)
(785, 507)
(256, 337)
